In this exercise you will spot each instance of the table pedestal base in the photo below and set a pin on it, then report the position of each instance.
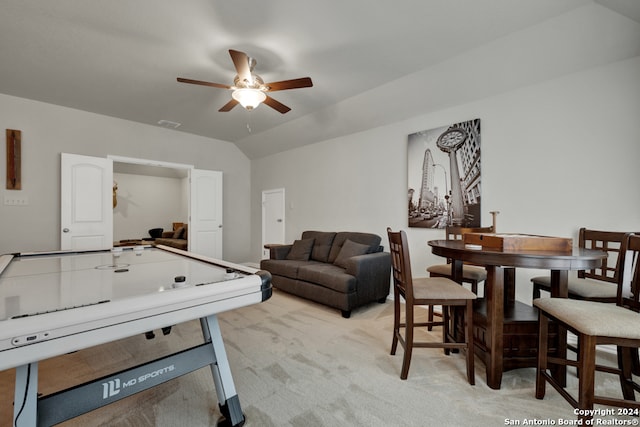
(519, 339)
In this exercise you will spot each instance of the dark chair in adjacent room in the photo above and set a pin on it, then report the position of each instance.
(592, 285)
(155, 233)
(471, 274)
(426, 291)
(594, 323)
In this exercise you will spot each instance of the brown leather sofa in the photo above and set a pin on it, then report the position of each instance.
(176, 238)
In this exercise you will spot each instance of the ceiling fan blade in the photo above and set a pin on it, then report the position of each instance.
(241, 62)
(289, 84)
(199, 82)
(276, 105)
(228, 106)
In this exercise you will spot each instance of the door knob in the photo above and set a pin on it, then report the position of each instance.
(279, 220)
(65, 230)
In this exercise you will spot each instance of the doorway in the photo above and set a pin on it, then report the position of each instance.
(199, 200)
(149, 194)
(273, 218)
(196, 200)
(148, 197)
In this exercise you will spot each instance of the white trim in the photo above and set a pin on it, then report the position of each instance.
(4, 261)
(147, 162)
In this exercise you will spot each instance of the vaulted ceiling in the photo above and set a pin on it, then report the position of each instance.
(121, 58)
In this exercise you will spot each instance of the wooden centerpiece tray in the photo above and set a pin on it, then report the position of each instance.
(517, 242)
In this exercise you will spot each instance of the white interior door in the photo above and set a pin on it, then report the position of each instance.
(205, 211)
(273, 209)
(86, 202)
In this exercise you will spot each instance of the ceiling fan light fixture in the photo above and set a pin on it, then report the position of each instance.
(249, 98)
(249, 88)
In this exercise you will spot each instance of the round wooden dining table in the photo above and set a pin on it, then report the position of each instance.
(505, 330)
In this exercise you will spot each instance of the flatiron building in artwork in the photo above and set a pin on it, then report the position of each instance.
(427, 190)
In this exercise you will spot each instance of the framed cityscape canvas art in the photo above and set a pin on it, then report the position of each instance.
(444, 176)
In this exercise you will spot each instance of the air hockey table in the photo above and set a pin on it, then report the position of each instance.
(59, 302)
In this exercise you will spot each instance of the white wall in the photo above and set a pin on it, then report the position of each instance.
(48, 130)
(556, 156)
(146, 202)
(558, 152)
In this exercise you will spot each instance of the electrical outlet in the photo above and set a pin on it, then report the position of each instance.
(16, 200)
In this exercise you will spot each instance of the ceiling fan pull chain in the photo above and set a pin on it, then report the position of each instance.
(248, 115)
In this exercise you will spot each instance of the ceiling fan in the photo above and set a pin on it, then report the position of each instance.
(249, 90)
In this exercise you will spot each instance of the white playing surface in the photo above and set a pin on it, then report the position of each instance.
(31, 285)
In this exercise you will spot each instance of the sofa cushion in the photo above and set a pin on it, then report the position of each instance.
(301, 250)
(328, 275)
(174, 243)
(350, 249)
(322, 244)
(284, 267)
(372, 240)
(177, 234)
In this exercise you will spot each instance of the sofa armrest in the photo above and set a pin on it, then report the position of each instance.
(373, 274)
(277, 251)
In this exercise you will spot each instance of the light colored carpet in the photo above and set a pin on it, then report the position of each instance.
(296, 363)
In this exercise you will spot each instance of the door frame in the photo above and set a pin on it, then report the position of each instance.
(147, 162)
(264, 224)
(158, 163)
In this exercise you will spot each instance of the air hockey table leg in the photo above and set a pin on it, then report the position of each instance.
(25, 403)
(221, 371)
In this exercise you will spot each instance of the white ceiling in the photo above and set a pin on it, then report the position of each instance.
(121, 58)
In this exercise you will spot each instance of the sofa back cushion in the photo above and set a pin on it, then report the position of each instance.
(301, 250)
(371, 240)
(322, 244)
(177, 234)
(350, 249)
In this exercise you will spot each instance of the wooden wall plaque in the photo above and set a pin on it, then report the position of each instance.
(14, 157)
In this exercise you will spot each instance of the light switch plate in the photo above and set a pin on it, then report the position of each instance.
(16, 200)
